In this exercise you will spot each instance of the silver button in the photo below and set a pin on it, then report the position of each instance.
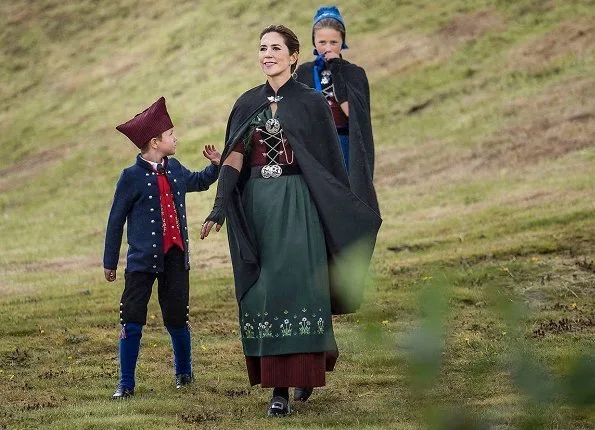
(169, 171)
(181, 205)
(150, 197)
(154, 245)
(154, 267)
(152, 173)
(152, 209)
(152, 221)
(121, 304)
(155, 256)
(120, 311)
(121, 320)
(185, 228)
(169, 206)
(183, 216)
(178, 193)
(152, 233)
(175, 180)
(147, 174)
(149, 184)
(174, 238)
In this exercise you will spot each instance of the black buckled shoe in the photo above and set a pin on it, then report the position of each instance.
(279, 407)
(302, 394)
(122, 393)
(184, 379)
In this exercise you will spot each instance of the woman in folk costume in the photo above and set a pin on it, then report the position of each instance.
(345, 86)
(284, 191)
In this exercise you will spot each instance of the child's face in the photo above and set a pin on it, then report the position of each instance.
(167, 144)
(328, 40)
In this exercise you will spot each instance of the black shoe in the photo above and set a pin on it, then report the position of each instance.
(279, 407)
(302, 394)
(122, 393)
(184, 379)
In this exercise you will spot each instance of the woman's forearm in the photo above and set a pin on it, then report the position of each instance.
(235, 160)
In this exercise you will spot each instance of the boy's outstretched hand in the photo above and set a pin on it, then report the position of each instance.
(212, 154)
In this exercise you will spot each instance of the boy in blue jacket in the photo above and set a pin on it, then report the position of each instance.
(150, 198)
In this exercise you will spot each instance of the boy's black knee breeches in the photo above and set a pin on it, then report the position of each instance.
(173, 292)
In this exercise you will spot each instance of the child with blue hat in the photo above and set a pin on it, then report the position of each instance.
(346, 89)
(329, 12)
(345, 86)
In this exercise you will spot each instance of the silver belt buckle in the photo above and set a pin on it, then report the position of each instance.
(271, 171)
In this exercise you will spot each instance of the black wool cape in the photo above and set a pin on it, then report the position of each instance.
(346, 220)
(361, 141)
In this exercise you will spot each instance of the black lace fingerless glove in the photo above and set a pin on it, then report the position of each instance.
(228, 178)
(335, 65)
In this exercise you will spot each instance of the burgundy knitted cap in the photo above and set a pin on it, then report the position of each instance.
(148, 124)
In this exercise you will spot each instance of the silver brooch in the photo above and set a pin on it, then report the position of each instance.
(326, 74)
(274, 99)
(272, 126)
(271, 171)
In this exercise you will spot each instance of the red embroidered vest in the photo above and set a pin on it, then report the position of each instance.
(169, 216)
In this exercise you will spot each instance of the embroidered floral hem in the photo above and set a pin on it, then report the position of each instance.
(287, 310)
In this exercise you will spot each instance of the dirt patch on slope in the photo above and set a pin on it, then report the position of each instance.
(406, 50)
(15, 174)
(470, 26)
(113, 68)
(556, 122)
(559, 121)
(576, 38)
(55, 265)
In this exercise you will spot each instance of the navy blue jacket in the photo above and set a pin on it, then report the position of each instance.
(136, 202)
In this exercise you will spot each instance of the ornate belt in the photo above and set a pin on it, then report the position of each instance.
(274, 170)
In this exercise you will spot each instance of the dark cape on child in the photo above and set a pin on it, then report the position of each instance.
(351, 85)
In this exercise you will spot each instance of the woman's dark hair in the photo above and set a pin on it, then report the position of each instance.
(289, 37)
(328, 23)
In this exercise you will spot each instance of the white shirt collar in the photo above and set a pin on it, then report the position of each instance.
(153, 164)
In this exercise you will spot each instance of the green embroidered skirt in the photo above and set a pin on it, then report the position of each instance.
(287, 310)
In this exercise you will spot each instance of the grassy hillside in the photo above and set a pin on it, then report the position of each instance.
(484, 122)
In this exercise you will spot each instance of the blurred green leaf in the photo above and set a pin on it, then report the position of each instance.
(425, 343)
(458, 419)
(580, 382)
(533, 379)
(349, 274)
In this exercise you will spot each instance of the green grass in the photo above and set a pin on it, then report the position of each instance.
(483, 123)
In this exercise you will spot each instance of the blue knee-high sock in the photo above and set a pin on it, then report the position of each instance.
(129, 348)
(180, 341)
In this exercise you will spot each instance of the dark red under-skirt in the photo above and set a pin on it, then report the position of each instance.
(291, 370)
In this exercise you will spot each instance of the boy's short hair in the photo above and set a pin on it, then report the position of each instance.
(145, 148)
